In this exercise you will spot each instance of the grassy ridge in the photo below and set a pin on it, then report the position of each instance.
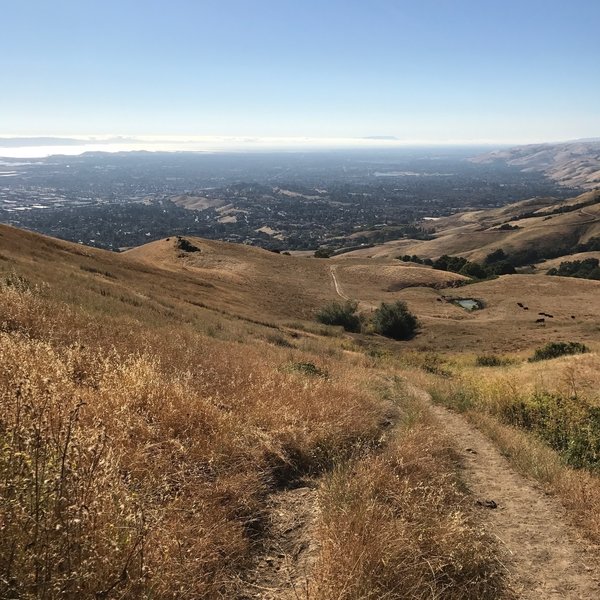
(141, 439)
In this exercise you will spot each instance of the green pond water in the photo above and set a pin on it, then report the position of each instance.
(468, 304)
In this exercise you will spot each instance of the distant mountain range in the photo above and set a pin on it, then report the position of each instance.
(573, 164)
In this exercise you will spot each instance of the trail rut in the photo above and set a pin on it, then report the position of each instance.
(546, 557)
(282, 568)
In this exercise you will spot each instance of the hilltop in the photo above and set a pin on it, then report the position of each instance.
(573, 164)
(260, 282)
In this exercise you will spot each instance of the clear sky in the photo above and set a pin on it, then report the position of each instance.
(428, 70)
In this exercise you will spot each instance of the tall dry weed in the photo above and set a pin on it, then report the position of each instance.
(136, 461)
(399, 526)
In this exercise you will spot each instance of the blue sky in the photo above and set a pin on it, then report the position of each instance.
(428, 70)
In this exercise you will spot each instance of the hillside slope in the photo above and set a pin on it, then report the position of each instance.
(259, 282)
(168, 433)
(153, 437)
(543, 224)
(574, 164)
(230, 287)
(239, 280)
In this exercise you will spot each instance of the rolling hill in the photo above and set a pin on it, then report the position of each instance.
(267, 286)
(259, 282)
(573, 164)
(167, 433)
(541, 223)
(175, 424)
(238, 284)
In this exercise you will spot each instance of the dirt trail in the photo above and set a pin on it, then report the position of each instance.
(545, 557)
(338, 289)
(282, 569)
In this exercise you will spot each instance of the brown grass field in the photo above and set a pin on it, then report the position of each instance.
(176, 424)
(148, 429)
(503, 326)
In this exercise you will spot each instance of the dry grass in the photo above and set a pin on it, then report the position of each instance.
(139, 464)
(144, 424)
(374, 280)
(271, 290)
(502, 326)
(399, 526)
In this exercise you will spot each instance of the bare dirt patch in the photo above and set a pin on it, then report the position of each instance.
(282, 569)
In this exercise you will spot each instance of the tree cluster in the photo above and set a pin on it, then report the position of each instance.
(496, 263)
(341, 315)
(588, 268)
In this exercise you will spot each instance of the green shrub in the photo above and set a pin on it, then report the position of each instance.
(323, 253)
(308, 368)
(450, 263)
(583, 269)
(475, 270)
(186, 245)
(556, 349)
(568, 425)
(491, 360)
(507, 227)
(395, 321)
(492, 266)
(341, 314)
(495, 256)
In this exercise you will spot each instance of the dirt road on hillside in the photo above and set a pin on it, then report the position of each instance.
(338, 290)
(545, 557)
(336, 285)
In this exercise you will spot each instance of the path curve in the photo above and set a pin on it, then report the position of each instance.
(589, 214)
(545, 556)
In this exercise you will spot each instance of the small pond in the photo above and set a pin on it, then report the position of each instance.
(468, 303)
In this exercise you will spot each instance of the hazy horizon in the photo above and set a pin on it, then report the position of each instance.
(29, 147)
(42, 147)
